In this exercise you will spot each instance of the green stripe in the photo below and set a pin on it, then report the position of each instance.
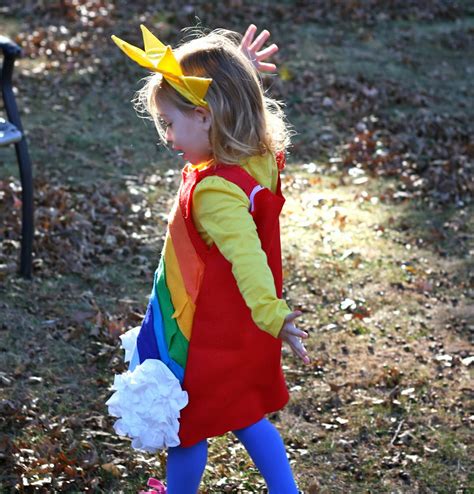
(175, 340)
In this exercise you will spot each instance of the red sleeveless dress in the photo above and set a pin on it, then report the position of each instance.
(233, 372)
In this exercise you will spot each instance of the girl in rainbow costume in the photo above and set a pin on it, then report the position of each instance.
(206, 359)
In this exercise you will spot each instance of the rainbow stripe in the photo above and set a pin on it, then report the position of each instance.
(166, 328)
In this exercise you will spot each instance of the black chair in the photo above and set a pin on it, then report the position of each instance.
(11, 132)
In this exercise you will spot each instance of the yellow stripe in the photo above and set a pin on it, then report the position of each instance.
(182, 302)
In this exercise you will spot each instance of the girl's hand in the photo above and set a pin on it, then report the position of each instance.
(292, 335)
(251, 49)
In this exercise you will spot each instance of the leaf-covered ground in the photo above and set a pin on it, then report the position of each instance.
(377, 237)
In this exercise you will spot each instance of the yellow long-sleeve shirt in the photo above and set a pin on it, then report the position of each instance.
(221, 216)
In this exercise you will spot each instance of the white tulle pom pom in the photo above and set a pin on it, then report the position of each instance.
(148, 401)
(129, 342)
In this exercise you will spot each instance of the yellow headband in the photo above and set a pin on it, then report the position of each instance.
(160, 58)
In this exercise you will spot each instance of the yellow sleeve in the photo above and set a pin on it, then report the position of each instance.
(220, 213)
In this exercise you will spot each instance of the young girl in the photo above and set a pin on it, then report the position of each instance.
(216, 320)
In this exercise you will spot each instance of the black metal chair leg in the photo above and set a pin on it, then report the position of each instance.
(27, 228)
(10, 52)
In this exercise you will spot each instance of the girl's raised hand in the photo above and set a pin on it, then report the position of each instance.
(252, 49)
(292, 335)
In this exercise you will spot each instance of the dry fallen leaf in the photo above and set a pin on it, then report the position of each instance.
(112, 468)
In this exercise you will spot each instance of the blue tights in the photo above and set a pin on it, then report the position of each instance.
(185, 466)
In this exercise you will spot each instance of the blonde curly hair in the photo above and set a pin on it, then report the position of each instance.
(244, 121)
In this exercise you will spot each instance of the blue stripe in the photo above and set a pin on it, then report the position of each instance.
(146, 341)
(151, 341)
(134, 361)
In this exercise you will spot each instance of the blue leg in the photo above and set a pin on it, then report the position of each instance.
(265, 446)
(185, 467)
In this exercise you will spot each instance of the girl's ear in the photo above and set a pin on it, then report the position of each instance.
(203, 116)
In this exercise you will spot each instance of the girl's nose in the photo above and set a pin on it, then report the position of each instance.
(168, 135)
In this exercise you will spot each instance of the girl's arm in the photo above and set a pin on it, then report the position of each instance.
(220, 213)
(252, 49)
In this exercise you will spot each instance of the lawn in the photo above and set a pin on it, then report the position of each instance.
(377, 235)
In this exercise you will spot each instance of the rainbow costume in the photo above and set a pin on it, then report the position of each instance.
(198, 324)
(199, 364)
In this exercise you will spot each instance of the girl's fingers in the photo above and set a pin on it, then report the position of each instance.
(267, 52)
(292, 335)
(252, 49)
(297, 332)
(248, 36)
(291, 317)
(260, 40)
(300, 351)
(266, 67)
(291, 329)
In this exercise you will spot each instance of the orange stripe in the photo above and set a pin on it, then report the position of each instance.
(191, 265)
(184, 307)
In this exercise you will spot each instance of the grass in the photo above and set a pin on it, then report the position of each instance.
(406, 266)
(329, 275)
(374, 276)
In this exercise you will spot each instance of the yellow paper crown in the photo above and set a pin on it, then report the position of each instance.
(160, 58)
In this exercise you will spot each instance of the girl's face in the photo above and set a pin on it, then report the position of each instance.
(188, 132)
